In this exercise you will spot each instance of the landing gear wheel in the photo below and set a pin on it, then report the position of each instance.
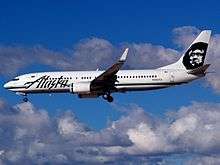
(25, 99)
(110, 99)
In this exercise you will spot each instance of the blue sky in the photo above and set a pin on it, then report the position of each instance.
(60, 26)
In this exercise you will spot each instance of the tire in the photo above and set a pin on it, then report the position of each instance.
(110, 99)
(25, 99)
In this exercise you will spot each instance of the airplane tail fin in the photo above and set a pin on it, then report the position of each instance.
(194, 56)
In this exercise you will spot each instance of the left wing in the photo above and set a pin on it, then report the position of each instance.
(109, 77)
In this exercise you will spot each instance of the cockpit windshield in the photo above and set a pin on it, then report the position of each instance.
(15, 79)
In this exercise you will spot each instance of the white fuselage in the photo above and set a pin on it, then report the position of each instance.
(127, 80)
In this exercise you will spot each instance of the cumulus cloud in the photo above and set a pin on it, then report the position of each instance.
(183, 36)
(214, 59)
(88, 54)
(29, 134)
(204, 160)
(146, 55)
(14, 58)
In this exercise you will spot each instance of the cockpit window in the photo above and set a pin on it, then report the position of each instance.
(15, 79)
(32, 76)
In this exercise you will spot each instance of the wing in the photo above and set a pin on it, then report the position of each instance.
(108, 78)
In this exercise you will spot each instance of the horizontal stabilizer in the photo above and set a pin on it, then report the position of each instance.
(199, 70)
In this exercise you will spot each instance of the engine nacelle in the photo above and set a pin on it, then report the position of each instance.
(83, 87)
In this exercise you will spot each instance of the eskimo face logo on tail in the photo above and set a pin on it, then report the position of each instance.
(195, 55)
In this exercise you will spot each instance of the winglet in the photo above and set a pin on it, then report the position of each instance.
(124, 55)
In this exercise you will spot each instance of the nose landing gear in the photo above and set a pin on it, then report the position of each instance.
(25, 99)
(108, 97)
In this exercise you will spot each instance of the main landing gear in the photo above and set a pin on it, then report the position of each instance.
(108, 97)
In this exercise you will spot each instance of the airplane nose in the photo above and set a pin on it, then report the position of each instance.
(6, 85)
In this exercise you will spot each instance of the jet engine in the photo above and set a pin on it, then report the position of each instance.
(83, 87)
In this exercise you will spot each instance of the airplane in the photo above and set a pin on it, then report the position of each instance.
(93, 84)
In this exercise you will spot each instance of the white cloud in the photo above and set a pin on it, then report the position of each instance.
(146, 140)
(204, 160)
(214, 59)
(145, 55)
(188, 123)
(68, 125)
(29, 134)
(183, 36)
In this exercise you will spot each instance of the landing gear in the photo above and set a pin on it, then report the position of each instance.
(25, 99)
(108, 97)
(24, 95)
